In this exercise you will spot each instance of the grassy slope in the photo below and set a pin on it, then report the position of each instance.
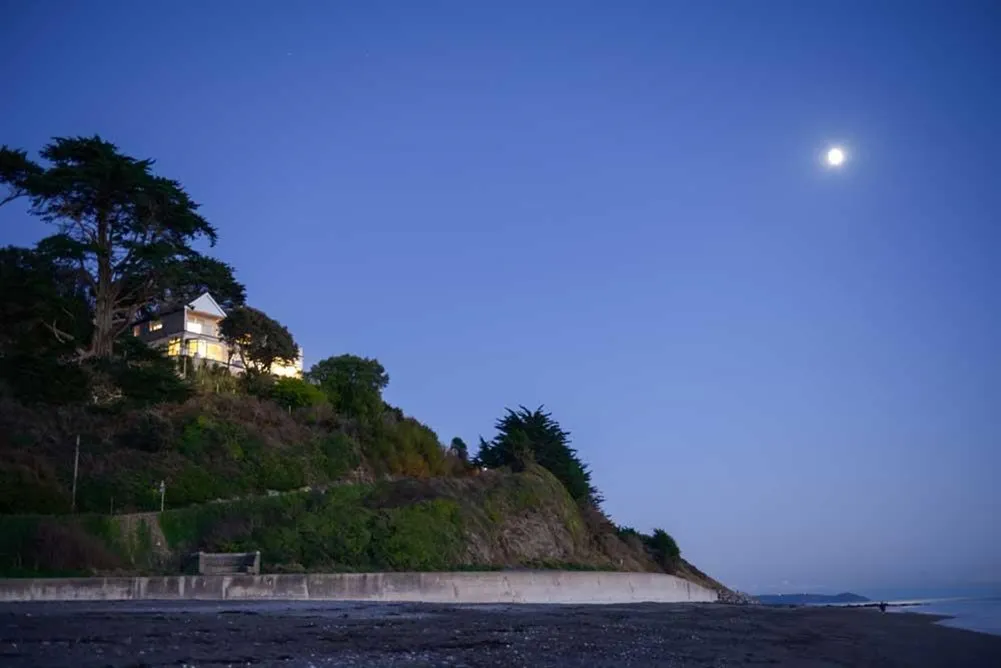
(212, 447)
(493, 520)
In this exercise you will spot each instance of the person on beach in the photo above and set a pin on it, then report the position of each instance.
(882, 606)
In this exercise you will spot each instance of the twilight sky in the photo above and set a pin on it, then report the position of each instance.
(616, 209)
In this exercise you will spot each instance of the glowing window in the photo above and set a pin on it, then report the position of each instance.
(155, 325)
(215, 352)
(136, 330)
(174, 347)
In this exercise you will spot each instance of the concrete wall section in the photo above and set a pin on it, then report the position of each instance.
(491, 587)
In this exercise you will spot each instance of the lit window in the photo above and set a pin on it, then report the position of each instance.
(215, 352)
(155, 325)
(174, 347)
(136, 330)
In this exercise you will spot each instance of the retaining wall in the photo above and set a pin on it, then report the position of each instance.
(486, 587)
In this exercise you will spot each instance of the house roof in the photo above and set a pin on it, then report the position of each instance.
(206, 304)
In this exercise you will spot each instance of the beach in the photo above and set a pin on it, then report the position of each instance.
(364, 634)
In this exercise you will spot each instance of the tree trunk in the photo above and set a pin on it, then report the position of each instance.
(104, 304)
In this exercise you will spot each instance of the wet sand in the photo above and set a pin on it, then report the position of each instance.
(354, 634)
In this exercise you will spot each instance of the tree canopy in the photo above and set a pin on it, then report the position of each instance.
(526, 434)
(38, 294)
(259, 340)
(460, 449)
(353, 384)
(186, 280)
(126, 232)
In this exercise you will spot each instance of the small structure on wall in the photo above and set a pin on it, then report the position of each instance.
(225, 563)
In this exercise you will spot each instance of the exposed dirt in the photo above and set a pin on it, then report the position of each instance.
(341, 634)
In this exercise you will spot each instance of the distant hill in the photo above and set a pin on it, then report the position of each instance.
(811, 599)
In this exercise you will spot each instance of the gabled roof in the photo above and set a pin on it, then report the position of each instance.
(206, 304)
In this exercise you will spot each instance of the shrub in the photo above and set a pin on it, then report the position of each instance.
(296, 393)
(38, 546)
(664, 549)
(660, 546)
(193, 484)
(150, 432)
(145, 375)
(152, 384)
(423, 537)
(407, 447)
(213, 379)
(257, 384)
(43, 379)
(30, 485)
(340, 455)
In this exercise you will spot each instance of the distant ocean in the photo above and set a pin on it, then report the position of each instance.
(971, 608)
(974, 614)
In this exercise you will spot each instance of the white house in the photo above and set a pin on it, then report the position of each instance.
(193, 332)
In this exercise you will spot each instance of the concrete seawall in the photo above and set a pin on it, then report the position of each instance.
(486, 587)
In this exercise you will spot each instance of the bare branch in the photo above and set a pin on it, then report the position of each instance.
(11, 198)
(61, 336)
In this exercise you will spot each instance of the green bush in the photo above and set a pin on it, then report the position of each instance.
(192, 484)
(423, 537)
(257, 384)
(336, 530)
(340, 454)
(279, 472)
(150, 433)
(212, 379)
(32, 546)
(664, 549)
(42, 379)
(660, 545)
(26, 488)
(296, 393)
(406, 447)
(145, 375)
(151, 384)
(203, 435)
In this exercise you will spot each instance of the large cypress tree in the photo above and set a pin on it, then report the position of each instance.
(535, 434)
(126, 232)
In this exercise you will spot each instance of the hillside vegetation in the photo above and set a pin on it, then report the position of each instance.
(213, 446)
(487, 521)
(493, 520)
(317, 473)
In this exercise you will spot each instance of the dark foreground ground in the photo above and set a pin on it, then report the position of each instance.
(339, 634)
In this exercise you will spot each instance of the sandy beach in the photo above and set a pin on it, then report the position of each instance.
(346, 634)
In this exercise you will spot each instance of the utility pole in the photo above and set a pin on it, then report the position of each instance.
(76, 468)
(163, 491)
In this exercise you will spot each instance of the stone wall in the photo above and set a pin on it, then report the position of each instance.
(489, 587)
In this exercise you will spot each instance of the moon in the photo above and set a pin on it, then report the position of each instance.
(835, 156)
